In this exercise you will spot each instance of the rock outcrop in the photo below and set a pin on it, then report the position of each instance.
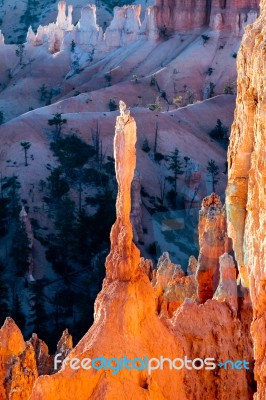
(64, 347)
(233, 15)
(172, 286)
(161, 20)
(22, 375)
(43, 360)
(246, 196)
(124, 27)
(213, 242)
(11, 345)
(173, 16)
(227, 288)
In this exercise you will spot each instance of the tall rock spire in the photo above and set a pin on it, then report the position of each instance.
(122, 262)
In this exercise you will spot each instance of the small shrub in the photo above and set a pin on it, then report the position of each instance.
(158, 157)
(177, 101)
(205, 38)
(210, 71)
(229, 89)
(156, 106)
(108, 78)
(211, 89)
(152, 249)
(171, 197)
(73, 45)
(145, 146)
(153, 80)
(219, 133)
(112, 105)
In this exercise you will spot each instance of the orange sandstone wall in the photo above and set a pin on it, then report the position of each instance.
(246, 194)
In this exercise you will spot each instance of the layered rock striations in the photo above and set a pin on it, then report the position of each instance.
(246, 196)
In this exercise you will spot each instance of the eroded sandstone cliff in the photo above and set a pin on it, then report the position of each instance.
(246, 185)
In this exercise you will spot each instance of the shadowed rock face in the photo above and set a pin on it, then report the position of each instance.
(246, 197)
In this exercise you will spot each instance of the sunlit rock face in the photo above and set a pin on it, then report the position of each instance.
(227, 288)
(213, 242)
(246, 197)
(172, 286)
(11, 345)
(136, 210)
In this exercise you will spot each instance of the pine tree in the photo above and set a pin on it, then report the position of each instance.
(25, 146)
(38, 316)
(213, 169)
(175, 166)
(21, 249)
(4, 295)
(57, 121)
(17, 313)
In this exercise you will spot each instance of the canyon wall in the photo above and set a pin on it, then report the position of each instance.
(161, 20)
(246, 195)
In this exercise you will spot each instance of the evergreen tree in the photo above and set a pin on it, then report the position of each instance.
(1, 117)
(11, 187)
(213, 169)
(61, 244)
(19, 52)
(17, 313)
(57, 121)
(38, 317)
(175, 166)
(219, 132)
(3, 216)
(21, 249)
(57, 184)
(4, 295)
(25, 146)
